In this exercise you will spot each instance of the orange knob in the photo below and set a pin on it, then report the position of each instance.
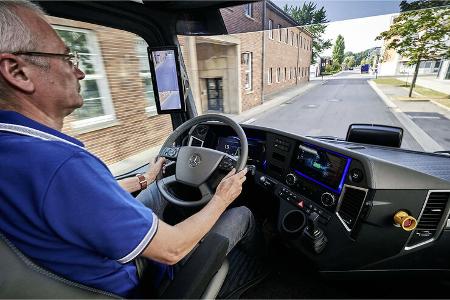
(405, 221)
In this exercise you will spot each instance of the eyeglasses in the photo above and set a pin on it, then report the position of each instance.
(73, 58)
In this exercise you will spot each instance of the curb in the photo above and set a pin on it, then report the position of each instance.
(422, 138)
(440, 105)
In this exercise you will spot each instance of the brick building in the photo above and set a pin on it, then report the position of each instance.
(265, 52)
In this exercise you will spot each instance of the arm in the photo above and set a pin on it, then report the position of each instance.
(171, 243)
(132, 184)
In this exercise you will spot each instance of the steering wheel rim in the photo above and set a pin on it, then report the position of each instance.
(196, 164)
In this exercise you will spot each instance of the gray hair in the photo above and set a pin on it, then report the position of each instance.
(15, 35)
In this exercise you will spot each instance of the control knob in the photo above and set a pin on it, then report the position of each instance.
(327, 199)
(291, 179)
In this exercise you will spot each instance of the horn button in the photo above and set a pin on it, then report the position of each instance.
(195, 164)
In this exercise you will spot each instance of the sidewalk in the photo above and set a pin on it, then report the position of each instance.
(273, 100)
(430, 82)
(409, 113)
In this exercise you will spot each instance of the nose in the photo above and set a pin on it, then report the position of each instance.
(80, 74)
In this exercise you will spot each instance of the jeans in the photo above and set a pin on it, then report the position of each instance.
(235, 224)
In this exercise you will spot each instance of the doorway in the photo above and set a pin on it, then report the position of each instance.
(214, 88)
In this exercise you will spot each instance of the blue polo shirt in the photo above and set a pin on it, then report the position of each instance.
(61, 206)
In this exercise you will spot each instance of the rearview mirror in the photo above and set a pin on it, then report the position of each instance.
(382, 135)
(166, 79)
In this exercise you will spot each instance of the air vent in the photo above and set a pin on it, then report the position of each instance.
(429, 225)
(350, 204)
(432, 213)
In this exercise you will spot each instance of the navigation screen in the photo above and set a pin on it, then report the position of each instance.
(320, 165)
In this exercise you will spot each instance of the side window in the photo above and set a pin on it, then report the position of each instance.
(118, 121)
(145, 75)
(97, 107)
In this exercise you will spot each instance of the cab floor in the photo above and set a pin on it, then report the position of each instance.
(293, 276)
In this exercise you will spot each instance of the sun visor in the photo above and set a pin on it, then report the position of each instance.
(201, 22)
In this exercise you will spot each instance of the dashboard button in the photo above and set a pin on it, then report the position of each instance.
(356, 175)
(327, 199)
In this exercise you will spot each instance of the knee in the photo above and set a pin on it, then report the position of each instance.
(245, 216)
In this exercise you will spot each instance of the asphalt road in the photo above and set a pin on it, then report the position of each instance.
(171, 102)
(328, 109)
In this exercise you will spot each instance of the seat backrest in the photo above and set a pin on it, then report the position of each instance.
(21, 278)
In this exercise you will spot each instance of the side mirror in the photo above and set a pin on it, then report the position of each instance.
(382, 135)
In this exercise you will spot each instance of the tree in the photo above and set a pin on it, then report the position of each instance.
(338, 49)
(349, 61)
(419, 34)
(308, 15)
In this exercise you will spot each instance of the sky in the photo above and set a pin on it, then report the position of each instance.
(359, 21)
(359, 34)
(349, 9)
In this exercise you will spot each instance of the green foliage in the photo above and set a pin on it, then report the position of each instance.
(338, 49)
(334, 68)
(349, 61)
(420, 34)
(313, 19)
(421, 4)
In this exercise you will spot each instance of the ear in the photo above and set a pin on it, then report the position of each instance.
(16, 72)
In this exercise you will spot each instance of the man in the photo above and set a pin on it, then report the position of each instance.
(59, 204)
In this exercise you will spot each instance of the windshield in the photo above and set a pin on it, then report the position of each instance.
(315, 68)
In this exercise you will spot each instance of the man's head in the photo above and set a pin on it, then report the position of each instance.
(48, 84)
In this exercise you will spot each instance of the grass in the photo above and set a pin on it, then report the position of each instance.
(424, 93)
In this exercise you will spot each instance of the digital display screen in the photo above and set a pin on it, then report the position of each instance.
(321, 166)
(166, 79)
(232, 146)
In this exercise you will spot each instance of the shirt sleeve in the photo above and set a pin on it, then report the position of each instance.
(85, 206)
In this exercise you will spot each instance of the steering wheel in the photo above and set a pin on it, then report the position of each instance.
(195, 165)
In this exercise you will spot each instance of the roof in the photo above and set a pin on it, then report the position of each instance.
(286, 16)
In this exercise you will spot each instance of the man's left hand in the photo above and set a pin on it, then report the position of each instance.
(155, 169)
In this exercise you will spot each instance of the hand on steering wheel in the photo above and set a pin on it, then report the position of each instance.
(195, 165)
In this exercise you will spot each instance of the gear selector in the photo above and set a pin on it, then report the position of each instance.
(313, 237)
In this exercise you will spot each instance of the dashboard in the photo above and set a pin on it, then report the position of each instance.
(379, 208)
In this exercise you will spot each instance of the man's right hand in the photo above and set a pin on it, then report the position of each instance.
(230, 186)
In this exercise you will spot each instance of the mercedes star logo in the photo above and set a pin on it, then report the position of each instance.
(194, 160)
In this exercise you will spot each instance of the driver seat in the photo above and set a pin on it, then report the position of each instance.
(201, 277)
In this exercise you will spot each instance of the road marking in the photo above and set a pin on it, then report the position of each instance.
(249, 121)
(422, 138)
(425, 117)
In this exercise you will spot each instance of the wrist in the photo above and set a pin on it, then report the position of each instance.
(220, 201)
(150, 178)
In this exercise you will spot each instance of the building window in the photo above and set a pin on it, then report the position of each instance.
(278, 75)
(285, 74)
(287, 36)
(298, 71)
(296, 40)
(269, 76)
(290, 73)
(145, 76)
(301, 41)
(248, 9)
(247, 62)
(270, 29)
(295, 72)
(279, 32)
(97, 107)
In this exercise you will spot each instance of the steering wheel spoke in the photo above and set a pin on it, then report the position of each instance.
(170, 153)
(206, 192)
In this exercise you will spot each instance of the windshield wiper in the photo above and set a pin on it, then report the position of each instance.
(445, 152)
(326, 137)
